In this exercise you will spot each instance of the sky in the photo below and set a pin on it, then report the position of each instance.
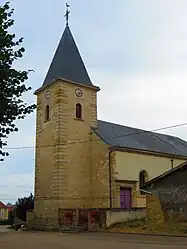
(134, 50)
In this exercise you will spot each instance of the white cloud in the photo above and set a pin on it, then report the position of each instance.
(144, 101)
(14, 186)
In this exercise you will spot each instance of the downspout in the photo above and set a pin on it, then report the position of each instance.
(110, 175)
(172, 164)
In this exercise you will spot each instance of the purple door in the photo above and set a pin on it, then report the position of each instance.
(125, 198)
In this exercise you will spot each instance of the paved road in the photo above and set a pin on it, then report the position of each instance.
(38, 240)
(3, 229)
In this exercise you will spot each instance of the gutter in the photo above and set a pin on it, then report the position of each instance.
(172, 166)
(145, 191)
(68, 81)
(147, 152)
(111, 149)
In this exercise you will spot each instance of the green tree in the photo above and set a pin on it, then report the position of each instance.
(12, 86)
(23, 205)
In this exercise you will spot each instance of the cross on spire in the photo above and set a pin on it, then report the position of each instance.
(67, 13)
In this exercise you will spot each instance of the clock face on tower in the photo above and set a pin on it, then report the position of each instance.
(47, 95)
(78, 92)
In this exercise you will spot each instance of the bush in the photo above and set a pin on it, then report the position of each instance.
(11, 217)
(23, 205)
(4, 222)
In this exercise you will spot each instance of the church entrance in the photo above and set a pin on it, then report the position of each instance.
(125, 198)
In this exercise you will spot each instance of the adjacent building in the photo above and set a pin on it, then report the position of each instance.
(171, 188)
(4, 210)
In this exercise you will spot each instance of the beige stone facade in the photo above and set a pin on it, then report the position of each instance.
(63, 175)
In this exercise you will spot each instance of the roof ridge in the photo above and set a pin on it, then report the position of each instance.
(99, 135)
(119, 125)
(2, 204)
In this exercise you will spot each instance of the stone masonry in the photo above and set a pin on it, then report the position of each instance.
(63, 177)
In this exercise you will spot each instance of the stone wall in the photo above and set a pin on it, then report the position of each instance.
(118, 216)
(63, 149)
(154, 212)
(100, 173)
(172, 191)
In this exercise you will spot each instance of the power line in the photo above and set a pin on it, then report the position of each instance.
(84, 141)
(75, 142)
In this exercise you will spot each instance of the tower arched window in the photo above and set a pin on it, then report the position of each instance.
(78, 111)
(47, 113)
(143, 177)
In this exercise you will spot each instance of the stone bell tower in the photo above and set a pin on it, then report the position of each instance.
(66, 111)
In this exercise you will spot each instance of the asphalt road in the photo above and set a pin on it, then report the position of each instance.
(3, 229)
(38, 240)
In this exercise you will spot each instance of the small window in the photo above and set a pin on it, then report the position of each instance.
(47, 116)
(78, 111)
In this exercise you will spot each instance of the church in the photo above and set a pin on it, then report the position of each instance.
(83, 162)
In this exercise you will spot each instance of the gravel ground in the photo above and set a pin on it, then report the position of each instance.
(38, 240)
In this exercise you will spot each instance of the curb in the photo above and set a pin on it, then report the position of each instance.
(109, 232)
(149, 234)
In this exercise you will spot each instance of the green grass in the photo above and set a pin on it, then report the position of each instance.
(131, 223)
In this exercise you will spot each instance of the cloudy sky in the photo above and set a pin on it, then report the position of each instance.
(135, 50)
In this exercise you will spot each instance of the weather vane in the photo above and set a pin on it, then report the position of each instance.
(67, 13)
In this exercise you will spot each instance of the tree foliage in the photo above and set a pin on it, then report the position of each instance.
(23, 205)
(26, 202)
(12, 86)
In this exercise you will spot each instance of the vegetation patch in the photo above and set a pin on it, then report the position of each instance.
(4, 222)
(144, 226)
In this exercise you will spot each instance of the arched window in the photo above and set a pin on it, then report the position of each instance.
(47, 114)
(78, 111)
(143, 177)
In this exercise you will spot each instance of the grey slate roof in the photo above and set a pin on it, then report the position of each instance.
(67, 62)
(133, 138)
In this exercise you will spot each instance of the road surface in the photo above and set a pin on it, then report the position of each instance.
(38, 240)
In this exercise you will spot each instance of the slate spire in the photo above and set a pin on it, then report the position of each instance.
(67, 62)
